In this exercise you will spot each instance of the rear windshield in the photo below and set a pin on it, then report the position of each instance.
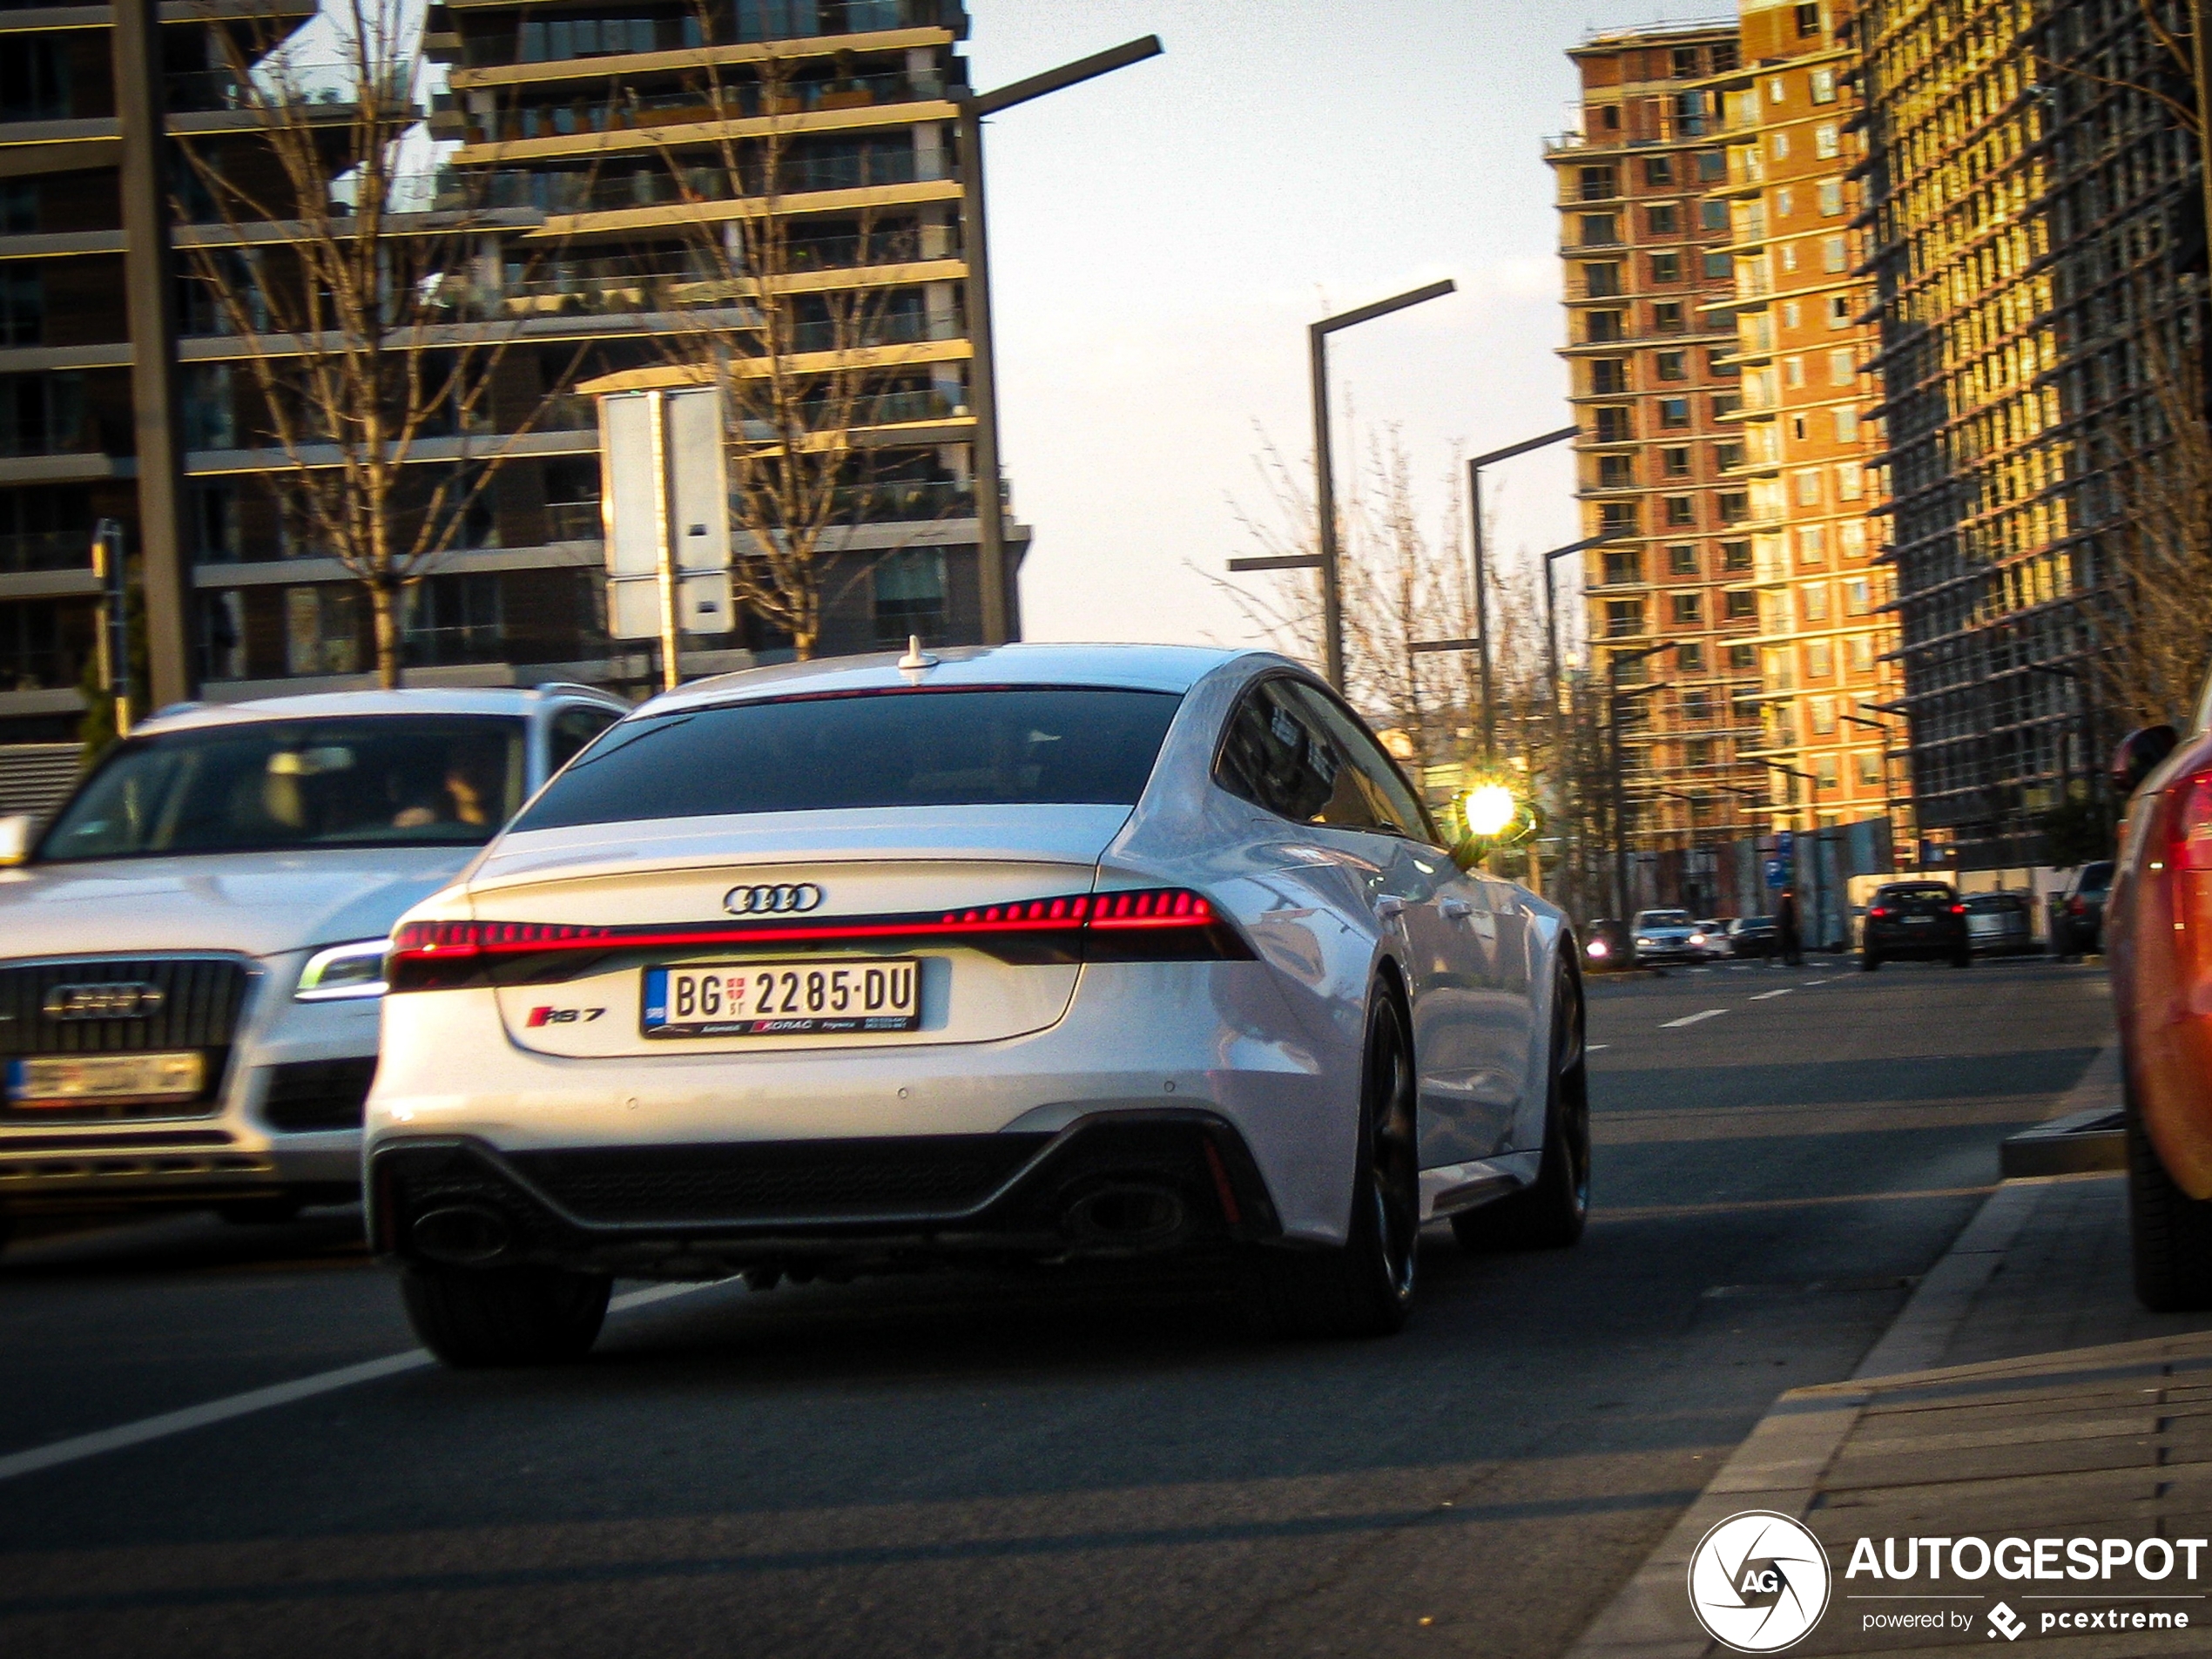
(1662, 918)
(2095, 878)
(401, 779)
(1015, 746)
(1916, 895)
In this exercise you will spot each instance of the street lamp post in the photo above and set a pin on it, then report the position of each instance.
(984, 394)
(1481, 569)
(1615, 662)
(1889, 800)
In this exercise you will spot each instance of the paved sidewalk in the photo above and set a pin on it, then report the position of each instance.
(2022, 1393)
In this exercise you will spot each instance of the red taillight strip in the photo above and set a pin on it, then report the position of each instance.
(450, 942)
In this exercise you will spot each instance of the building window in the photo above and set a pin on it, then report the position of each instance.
(1824, 716)
(1793, 371)
(1742, 606)
(1720, 267)
(1809, 18)
(1616, 517)
(1849, 481)
(1667, 317)
(1860, 653)
(1696, 706)
(1839, 311)
(1665, 219)
(1600, 230)
(1846, 426)
(1789, 253)
(1601, 281)
(1666, 267)
(1823, 86)
(1608, 116)
(1673, 411)
(1832, 257)
(1623, 568)
(1781, 142)
(1812, 544)
(1615, 426)
(1685, 62)
(1681, 511)
(1776, 91)
(1602, 326)
(1609, 376)
(1808, 485)
(1674, 366)
(909, 597)
(1858, 596)
(1615, 472)
(1735, 556)
(1736, 507)
(1812, 604)
(1832, 196)
(1725, 56)
(1682, 561)
(1623, 618)
(1725, 404)
(1825, 769)
(777, 19)
(1851, 539)
(1824, 140)
(1727, 457)
(1598, 184)
(1870, 769)
(322, 630)
(1658, 171)
(1675, 463)
(18, 207)
(1689, 609)
(22, 305)
(1713, 215)
(453, 619)
(1843, 368)
(1820, 661)
(1743, 658)
(1689, 657)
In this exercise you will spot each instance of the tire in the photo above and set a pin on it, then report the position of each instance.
(1551, 1212)
(504, 1316)
(1365, 1286)
(1964, 958)
(258, 1212)
(1869, 960)
(2170, 1234)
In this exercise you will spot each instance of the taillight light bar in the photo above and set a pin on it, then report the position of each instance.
(1153, 924)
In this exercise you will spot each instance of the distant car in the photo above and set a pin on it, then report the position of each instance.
(1714, 929)
(1607, 948)
(2078, 911)
(1754, 936)
(1667, 936)
(192, 953)
(1915, 918)
(2000, 924)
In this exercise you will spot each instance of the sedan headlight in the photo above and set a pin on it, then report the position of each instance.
(1595, 948)
(337, 973)
(1644, 942)
(1697, 939)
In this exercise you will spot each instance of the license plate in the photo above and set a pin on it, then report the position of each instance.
(1919, 922)
(783, 999)
(69, 1080)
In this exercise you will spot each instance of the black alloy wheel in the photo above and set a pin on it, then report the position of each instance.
(1551, 1212)
(2170, 1234)
(1365, 1286)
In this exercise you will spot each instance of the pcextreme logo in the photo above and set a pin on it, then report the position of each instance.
(1758, 1582)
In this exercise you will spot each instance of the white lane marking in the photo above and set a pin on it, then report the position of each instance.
(1592, 1048)
(1691, 1018)
(81, 1446)
(1816, 981)
(1762, 996)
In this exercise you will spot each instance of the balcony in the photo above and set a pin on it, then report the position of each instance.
(29, 550)
(920, 500)
(735, 100)
(462, 190)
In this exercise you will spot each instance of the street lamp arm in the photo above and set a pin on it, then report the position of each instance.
(1383, 307)
(1052, 80)
(1527, 444)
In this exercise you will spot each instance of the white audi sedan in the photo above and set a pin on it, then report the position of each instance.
(1016, 955)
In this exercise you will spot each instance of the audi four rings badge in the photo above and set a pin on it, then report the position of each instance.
(788, 900)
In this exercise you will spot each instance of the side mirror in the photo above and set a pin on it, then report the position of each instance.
(2138, 755)
(14, 838)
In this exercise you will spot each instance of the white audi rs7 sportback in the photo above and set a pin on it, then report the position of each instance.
(1015, 956)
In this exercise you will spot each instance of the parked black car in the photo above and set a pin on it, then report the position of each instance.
(1754, 936)
(1915, 918)
(2077, 913)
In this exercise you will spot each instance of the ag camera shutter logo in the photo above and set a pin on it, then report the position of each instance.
(1758, 1582)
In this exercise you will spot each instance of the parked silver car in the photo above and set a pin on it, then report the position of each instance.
(2000, 924)
(194, 946)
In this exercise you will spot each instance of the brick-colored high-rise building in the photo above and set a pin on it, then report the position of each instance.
(1651, 352)
(1825, 640)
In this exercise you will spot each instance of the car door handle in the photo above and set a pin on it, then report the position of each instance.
(1388, 909)
(1456, 909)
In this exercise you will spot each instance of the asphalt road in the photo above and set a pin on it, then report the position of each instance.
(969, 1467)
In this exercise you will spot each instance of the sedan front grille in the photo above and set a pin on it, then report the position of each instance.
(858, 1180)
(122, 1005)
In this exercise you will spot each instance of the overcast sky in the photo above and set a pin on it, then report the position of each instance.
(1161, 238)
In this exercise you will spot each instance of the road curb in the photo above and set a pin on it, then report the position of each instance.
(1779, 1465)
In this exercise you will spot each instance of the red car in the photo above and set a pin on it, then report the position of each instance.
(2158, 944)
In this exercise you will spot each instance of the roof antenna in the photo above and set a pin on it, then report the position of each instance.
(916, 659)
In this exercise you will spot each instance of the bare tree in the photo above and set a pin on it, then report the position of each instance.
(805, 326)
(368, 354)
(2153, 650)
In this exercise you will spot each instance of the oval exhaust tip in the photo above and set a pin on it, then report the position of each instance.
(462, 1235)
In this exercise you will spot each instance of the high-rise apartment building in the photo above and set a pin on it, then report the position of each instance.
(2038, 249)
(1826, 635)
(585, 170)
(1651, 352)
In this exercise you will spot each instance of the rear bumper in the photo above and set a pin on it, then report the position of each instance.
(1899, 944)
(1112, 1184)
